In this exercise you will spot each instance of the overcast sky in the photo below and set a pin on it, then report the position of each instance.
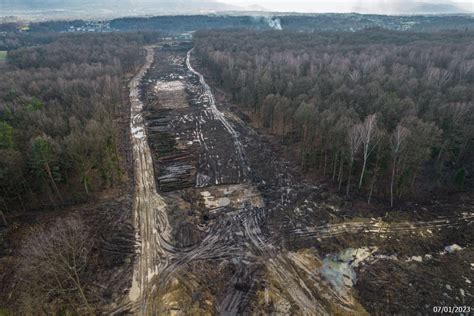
(341, 5)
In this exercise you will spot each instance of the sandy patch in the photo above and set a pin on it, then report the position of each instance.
(171, 94)
(235, 195)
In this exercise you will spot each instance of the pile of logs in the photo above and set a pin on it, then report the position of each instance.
(176, 171)
(174, 168)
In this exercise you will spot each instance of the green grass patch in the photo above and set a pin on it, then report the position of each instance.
(4, 312)
(3, 54)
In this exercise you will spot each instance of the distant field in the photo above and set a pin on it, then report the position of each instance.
(3, 55)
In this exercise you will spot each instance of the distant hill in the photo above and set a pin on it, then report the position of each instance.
(55, 4)
(108, 9)
(120, 6)
(412, 7)
(255, 7)
(426, 8)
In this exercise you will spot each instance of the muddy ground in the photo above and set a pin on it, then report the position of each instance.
(246, 233)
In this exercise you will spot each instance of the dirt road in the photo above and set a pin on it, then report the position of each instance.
(150, 216)
(224, 226)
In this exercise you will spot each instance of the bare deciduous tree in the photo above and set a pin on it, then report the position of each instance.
(379, 152)
(397, 142)
(369, 140)
(354, 141)
(52, 263)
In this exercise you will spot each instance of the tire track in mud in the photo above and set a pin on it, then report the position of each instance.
(236, 237)
(377, 227)
(290, 272)
(218, 114)
(247, 223)
(149, 210)
(157, 259)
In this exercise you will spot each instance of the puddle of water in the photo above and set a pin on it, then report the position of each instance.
(339, 270)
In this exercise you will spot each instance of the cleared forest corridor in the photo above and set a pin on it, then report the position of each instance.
(151, 222)
(225, 226)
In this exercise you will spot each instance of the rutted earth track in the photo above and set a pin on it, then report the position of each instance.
(150, 217)
(215, 210)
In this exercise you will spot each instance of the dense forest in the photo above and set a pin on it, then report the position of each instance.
(353, 22)
(59, 105)
(173, 25)
(389, 113)
(299, 22)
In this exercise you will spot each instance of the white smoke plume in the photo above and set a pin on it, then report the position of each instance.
(273, 23)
